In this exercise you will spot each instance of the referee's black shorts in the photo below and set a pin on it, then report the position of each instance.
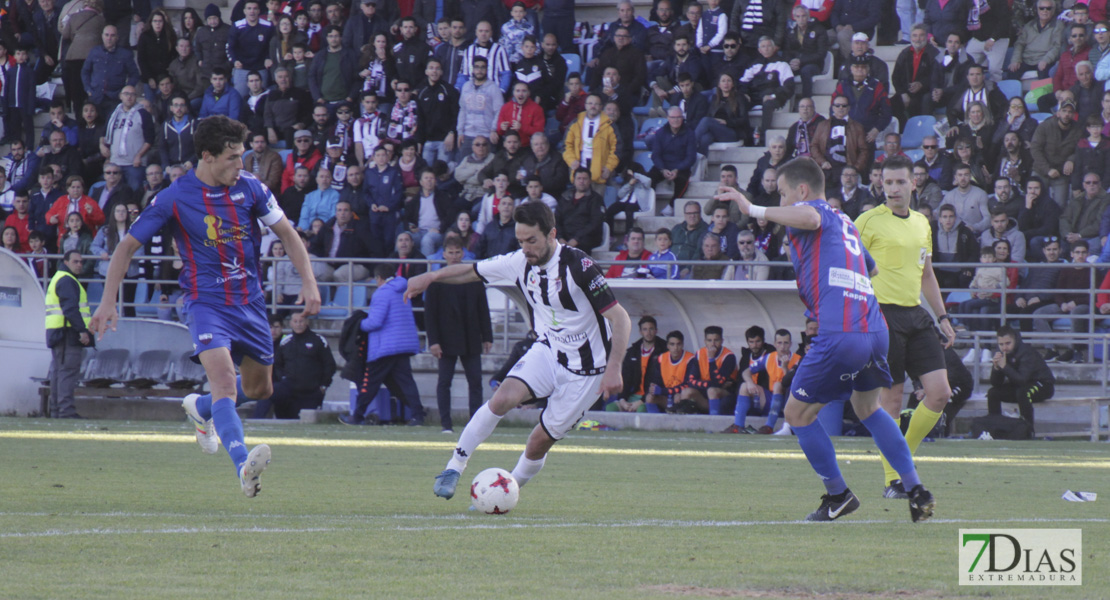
(915, 348)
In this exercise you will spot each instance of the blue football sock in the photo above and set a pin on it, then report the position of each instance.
(743, 404)
(888, 437)
(776, 408)
(204, 406)
(819, 451)
(230, 430)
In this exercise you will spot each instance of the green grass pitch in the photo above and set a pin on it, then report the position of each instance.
(119, 510)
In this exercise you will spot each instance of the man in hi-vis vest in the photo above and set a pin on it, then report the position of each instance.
(67, 332)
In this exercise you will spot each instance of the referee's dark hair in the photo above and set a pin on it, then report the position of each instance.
(893, 163)
(646, 319)
(535, 214)
(217, 133)
(714, 330)
(676, 334)
(803, 170)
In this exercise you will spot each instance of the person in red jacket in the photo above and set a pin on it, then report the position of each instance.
(303, 154)
(522, 115)
(635, 252)
(574, 102)
(76, 201)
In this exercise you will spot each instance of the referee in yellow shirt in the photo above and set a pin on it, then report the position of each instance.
(900, 241)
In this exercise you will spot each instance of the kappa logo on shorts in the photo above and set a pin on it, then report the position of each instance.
(801, 393)
(205, 338)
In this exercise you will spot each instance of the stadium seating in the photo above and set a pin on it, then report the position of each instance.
(1040, 116)
(151, 368)
(107, 367)
(917, 128)
(186, 374)
(647, 127)
(1011, 88)
(574, 63)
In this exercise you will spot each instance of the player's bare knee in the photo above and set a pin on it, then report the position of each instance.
(798, 413)
(539, 444)
(259, 391)
(509, 395)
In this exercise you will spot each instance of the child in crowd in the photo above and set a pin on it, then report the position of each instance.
(663, 252)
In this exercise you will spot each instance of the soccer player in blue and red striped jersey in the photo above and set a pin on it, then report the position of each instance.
(214, 214)
(848, 357)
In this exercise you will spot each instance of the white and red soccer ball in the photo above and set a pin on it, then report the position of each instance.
(494, 492)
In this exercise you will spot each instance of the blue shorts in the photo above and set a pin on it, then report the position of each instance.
(839, 363)
(242, 329)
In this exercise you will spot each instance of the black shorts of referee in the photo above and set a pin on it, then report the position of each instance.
(915, 347)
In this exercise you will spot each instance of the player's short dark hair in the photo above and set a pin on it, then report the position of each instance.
(962, 167)
(646, 319)
(893, 163)
(535, 214)
(729, 168)
(803, 170)
(452, 241)
(715, 330)
(998, 210)
(217, 133)
(782, 332)
(676, 334)
(755, 331)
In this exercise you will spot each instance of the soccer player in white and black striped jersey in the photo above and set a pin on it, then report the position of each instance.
(582, 335)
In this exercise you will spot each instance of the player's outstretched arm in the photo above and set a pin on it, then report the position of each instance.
(798, 217)
(611, 382)
(452, 274)
(106, 314)
(310, 294)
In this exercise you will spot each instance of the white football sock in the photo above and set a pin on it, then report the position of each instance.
(479, 428)
(526, 469)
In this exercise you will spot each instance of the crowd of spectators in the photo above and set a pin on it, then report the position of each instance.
(385, 128)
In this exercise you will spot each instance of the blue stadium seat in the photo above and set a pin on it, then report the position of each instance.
(915, 154)
(645, 127)
(1011, 88)
(574, 63)
(642, 110)
(1040, 116)
(284, 154)
(644, 160)
(337, 308)
(916, 130)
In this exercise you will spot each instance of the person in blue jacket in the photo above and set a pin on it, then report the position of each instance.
(391, 342)
(384, 193)
(248, 44)
(220, 98)
(108, 69)
(673, 153)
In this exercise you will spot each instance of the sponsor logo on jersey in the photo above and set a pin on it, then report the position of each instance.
(234, 271)
(586, 263)
(217, 233)
(204, 339)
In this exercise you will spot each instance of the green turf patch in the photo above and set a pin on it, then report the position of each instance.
(126, 510)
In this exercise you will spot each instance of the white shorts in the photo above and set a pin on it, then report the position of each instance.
(568, 395)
